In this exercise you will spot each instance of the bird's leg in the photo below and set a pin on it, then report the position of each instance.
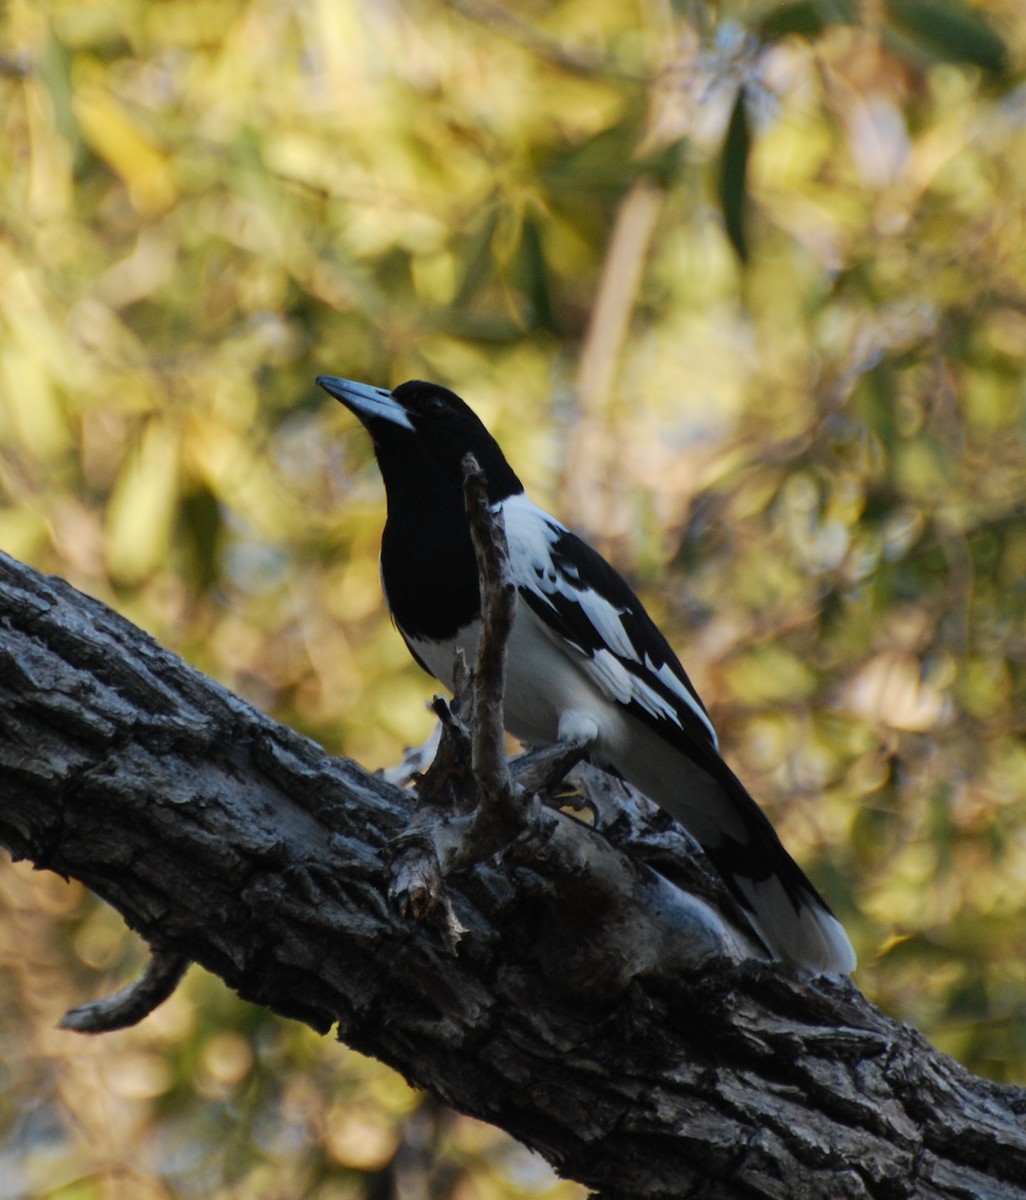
(543, 769)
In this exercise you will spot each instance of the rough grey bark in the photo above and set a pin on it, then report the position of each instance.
(669, 1070)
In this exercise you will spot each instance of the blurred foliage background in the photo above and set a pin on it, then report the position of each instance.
(740, 288)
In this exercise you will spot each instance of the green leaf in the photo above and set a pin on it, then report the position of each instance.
(948, 31)
(734, 175)
(475, 258)
(806, 18)
(201, 529)
(535, 274)
(55, 72)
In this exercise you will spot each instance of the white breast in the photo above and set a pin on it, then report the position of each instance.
(547, 695)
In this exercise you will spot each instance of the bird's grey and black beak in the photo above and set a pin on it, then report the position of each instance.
(368, 403)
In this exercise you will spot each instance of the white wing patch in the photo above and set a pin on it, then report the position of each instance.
(599, 628)
(611, 675)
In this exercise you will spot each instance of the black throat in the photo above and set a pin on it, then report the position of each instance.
(427, 558)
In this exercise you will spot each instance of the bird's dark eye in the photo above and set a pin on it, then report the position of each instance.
(433, 405)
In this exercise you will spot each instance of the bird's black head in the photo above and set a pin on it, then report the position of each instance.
(421, 433)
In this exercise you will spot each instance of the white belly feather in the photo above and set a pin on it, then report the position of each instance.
(547, 695)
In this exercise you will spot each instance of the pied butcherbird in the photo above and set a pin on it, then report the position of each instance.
(585, 661)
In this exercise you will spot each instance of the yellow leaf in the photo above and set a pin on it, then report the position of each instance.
(34, 413)
(142, 167)
(142, 506)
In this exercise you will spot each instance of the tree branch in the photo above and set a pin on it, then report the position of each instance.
(501, 811)
(653, 1071)
(129, 1006)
